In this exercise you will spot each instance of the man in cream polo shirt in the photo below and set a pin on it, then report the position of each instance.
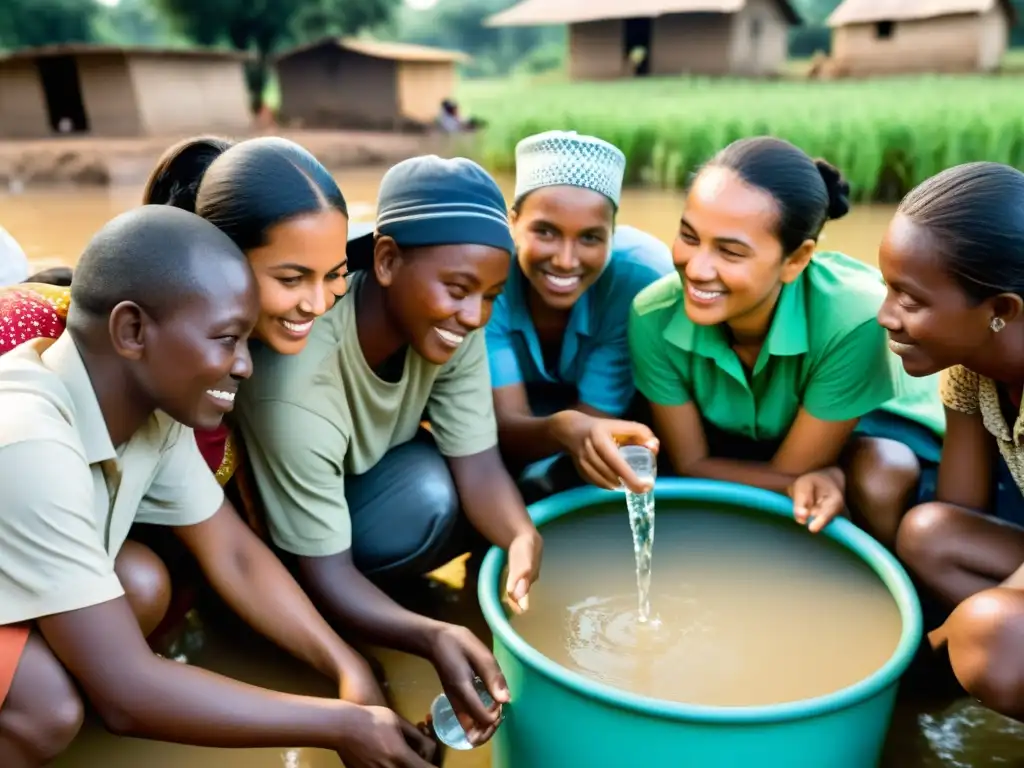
(91, 441)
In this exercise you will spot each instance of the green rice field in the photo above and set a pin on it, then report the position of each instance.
(886, 135)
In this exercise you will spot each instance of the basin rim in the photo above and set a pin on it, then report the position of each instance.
(841, 530)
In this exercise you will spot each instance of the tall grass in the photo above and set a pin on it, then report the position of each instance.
(886, 135)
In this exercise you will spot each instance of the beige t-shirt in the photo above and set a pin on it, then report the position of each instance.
(69, 498)
(310, 419)
(967, 392)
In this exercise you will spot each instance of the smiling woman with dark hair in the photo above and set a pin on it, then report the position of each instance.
(953, 258)
(762, 358)
(279, 204)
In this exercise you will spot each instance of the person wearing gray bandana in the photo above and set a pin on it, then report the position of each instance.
(358, 494)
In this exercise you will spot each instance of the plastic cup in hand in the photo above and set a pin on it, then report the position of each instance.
(446, 723)
(642, 461)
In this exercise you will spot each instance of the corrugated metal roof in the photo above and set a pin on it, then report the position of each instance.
(84, 49)
(530, 13)
(384, 50)
(870, 11)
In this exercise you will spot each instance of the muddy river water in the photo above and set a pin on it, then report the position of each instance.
(53, 225)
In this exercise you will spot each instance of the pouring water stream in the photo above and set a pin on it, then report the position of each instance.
(641, 521)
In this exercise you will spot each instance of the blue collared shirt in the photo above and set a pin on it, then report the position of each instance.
(595, 351)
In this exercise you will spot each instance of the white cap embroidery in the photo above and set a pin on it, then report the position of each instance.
(559, 158)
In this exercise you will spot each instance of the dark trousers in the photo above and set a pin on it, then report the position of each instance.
(406, 521)
(1006, 501)
(406, 515)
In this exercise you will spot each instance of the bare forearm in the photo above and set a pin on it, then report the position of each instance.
(260, 590)
(526, 438)
(355, 603)
(752, 473)
(174, 702)
(494, 506)
(139, 694)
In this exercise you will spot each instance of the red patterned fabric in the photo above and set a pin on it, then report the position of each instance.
(24, 316)
(212, 445)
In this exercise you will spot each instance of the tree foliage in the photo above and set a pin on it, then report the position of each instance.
(814, 12)
(459, 24)
(135, 22)
(264, 26)
(46, 22)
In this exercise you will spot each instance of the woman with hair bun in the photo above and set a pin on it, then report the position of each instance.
(178, 173)
(761, 357)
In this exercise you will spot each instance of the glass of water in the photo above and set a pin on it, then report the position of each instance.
(641, 460)
(446, 724)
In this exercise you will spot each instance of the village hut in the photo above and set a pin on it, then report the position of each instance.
(115, 91)
(366, 84)
(876, 37)
(611, 39)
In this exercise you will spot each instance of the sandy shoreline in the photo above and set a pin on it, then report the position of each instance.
(92, 161)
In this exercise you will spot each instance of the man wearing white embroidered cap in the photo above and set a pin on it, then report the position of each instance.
(559, 357)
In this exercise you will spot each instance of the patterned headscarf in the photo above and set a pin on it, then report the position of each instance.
(566, 158)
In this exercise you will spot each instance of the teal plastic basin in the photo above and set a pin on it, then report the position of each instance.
(560, 719)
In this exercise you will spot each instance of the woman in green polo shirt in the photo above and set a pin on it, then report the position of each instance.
(763, 361)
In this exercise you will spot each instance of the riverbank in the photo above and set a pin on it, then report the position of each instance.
(93, 161)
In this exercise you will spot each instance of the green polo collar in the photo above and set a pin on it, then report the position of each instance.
(786, 336)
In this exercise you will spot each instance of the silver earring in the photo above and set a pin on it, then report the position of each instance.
(997, 324)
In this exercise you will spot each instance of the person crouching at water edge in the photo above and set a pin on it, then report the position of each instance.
(357, 492)
(953, 259)
(559, 356)
(762, 359)
(162, 307)
(285, 211)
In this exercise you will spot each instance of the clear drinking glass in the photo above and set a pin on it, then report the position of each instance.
(641, 460)
(446, 724)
